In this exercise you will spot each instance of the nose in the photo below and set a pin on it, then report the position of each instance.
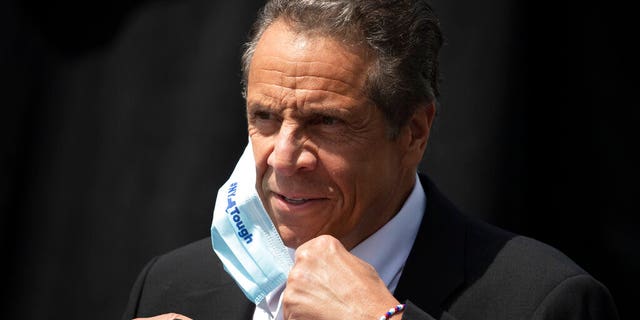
(290, 153)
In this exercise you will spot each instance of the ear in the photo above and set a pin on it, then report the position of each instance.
(418, 128)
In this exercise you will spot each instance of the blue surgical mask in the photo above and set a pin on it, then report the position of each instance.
(244, 237)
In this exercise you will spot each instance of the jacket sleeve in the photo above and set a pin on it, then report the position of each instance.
(131, 310)
(577, 297)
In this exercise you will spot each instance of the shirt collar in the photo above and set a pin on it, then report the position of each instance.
(388, 248)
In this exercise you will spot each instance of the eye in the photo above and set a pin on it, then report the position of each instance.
(262, 115)
(327, 120)
(263, 121)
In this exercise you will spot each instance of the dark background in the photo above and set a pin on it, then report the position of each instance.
(120, 119)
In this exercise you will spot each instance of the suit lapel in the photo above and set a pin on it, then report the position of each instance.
(435, 266)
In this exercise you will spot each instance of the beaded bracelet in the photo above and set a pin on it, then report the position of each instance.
(392, 311)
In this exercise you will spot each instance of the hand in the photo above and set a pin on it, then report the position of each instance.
(327, 282)
(166, 316)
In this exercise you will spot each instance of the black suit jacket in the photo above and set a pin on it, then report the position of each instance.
(459, 268)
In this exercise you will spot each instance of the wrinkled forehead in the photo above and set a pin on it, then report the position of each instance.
(302, 72)
(291, 59)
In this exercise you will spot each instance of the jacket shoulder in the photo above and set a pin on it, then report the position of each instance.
(522, 278)
(191, 267)
(189, 280)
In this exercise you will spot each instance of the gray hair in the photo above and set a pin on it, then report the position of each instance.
(404, 36)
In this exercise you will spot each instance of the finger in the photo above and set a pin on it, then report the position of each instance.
(167, 316)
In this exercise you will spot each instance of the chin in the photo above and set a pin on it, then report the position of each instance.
(291, 240)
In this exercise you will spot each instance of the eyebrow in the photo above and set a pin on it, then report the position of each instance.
(309, 110)
(259, 106)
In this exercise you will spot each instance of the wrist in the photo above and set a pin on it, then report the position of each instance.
(394, 311)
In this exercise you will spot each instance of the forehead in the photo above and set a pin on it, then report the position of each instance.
(288, 60)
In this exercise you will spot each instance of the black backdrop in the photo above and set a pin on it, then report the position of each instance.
(120, 119)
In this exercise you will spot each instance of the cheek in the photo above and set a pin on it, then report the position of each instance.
(343, 178)
(362, 178)
(261, 148)
(260, 154)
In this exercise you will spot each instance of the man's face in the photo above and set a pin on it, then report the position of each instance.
(324, 162)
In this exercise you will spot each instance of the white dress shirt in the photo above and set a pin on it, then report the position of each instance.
(386, 250)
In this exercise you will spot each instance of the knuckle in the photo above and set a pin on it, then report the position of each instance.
(295, 275)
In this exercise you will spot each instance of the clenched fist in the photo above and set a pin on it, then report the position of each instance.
(328, 282)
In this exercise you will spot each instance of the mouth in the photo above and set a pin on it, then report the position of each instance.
(294, 201)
